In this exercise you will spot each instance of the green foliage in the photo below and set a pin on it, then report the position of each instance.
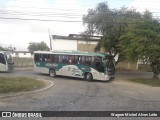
(150, 82)
(142, 41)
(2, 48)
(111, 24)
(131, 34)
(37, 46)
(9, 48)
(19, 84)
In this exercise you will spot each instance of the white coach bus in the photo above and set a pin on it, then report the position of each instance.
(6, 61)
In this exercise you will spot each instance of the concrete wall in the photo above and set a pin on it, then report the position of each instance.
(22, 55)
(61, 44)
(86, 47)
(127, 65)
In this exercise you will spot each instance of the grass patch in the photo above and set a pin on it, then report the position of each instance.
(151, 82)
(19, 84)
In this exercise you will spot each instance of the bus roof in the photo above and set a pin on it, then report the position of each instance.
(74, 53)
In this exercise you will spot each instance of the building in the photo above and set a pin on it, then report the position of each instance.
(75, 42)
(22, 54)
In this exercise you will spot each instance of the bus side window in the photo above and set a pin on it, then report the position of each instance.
(44, 57)
(40, 57)
(79, 60)
(60, 58)
(83, 61)
(52, 58)
(70, 59)
(48, 58)
(75, 59)
(65, 59)
(2, 59)
(88, 60)
(56, 58)
(36, 57)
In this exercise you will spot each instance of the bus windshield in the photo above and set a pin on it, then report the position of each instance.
(110, 65)
(9, 58)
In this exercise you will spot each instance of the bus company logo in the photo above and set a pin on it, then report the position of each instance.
(51, 65)
(6, 114)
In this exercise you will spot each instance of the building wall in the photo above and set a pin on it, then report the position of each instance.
(88, 42)
(86, 47)
(22, 55)
(62, 44)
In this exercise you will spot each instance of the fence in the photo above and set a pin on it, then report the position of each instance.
(23, 62)
(125, 65)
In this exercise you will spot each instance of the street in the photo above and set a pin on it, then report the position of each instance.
(72, 94)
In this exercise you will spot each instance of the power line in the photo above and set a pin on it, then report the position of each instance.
(39, 13)
(53, 4)
(61, 15)
(47, 14)
(45, 8)
(33, 19)
(58, 8)
(44, 13)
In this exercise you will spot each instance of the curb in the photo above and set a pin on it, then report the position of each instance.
(24, 93)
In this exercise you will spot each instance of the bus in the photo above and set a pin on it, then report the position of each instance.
(87, 65)
(6, 62)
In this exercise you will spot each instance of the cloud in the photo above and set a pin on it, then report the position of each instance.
(142, 5)
(19, 33)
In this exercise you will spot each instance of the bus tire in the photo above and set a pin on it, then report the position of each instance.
(88, 77)
(52, 73)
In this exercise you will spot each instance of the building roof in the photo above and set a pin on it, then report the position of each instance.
(78, 37)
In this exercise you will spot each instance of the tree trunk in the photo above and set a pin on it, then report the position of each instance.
(155, 76)
(155, 71)
(120, 58)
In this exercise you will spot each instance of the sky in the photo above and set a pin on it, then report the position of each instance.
(25, 21)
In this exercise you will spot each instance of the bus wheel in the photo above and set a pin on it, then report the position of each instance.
(52, 73)
(88, 76)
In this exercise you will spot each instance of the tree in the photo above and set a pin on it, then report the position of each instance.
(2, 48)
(111, 24)
(143, 42)
(131, 34)
(37, 46)
(9, 48)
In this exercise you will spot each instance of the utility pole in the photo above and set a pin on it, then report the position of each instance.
(50, 39)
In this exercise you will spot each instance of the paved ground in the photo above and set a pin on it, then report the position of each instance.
(70, 94)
